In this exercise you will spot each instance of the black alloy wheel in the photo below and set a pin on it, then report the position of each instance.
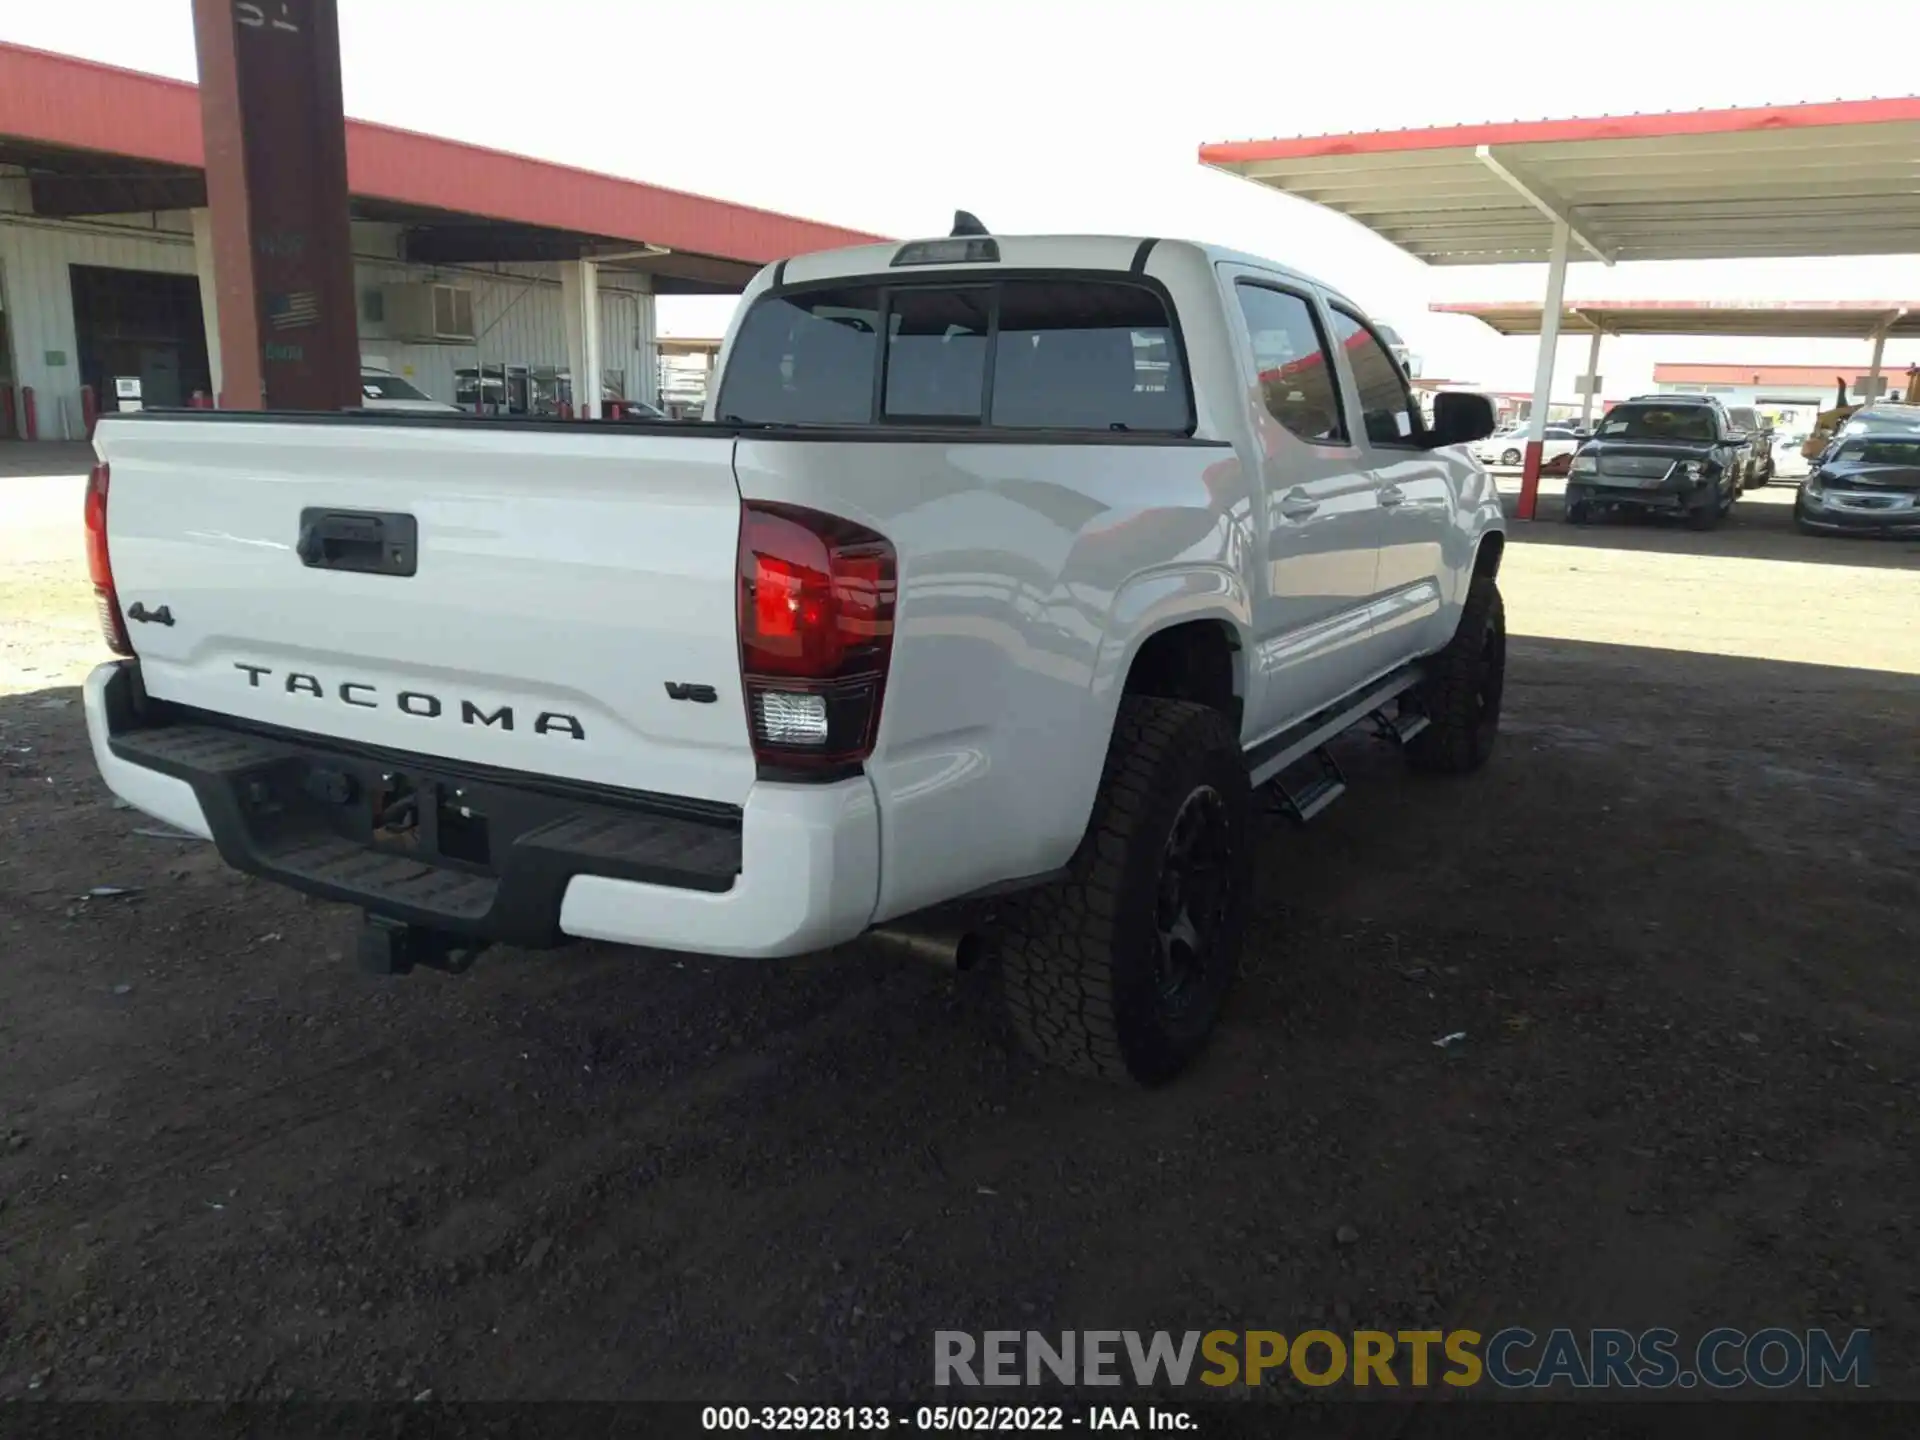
(1191, 907)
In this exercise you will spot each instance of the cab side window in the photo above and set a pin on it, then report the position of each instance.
(1387, 408)
(1294, 363)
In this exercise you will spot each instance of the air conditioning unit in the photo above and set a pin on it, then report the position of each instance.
(429, 314)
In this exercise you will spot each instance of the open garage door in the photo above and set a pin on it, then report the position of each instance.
(140, 324)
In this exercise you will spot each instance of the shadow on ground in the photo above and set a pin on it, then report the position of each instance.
(1760, 527)
(1677, 941)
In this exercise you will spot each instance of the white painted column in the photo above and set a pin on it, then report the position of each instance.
(209, 297)
(580, 298)
(1543, 369)
(1593, 379)
(1879, 348)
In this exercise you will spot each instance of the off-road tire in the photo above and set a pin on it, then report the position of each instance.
(1579, 508)
(1080, 958)
(1462, 692)
(1709, 515)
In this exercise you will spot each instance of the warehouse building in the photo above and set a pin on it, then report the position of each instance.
(1788, 395)
(481, 277)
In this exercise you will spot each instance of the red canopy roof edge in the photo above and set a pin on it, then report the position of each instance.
(1603, 127)
(1491, 307)
(84, 105)
(1687, 372)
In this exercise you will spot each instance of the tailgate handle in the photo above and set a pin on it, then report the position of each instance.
(365, 541)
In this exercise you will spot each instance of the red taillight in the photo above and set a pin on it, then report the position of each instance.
(817, 598)
(100, 564)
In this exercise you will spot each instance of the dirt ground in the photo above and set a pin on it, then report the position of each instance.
(1676, 918)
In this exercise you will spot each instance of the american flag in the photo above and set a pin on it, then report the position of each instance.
(290, 312)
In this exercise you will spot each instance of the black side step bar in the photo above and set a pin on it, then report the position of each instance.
(1309, 779)
(1399, 728)
(1270, 757)
(1304, 799)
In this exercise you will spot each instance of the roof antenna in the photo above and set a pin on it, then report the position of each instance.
(967, 223)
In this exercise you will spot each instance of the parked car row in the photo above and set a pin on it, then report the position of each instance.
(1692, 457)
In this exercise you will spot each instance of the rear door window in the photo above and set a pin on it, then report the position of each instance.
(1048, 353)
(1292, 361)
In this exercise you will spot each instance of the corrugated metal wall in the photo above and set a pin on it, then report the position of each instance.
(34, 256)
(518, 313)
(516, 308)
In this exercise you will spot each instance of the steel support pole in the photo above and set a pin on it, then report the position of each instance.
(276, 156)
(1543, 371)
(1593, 376)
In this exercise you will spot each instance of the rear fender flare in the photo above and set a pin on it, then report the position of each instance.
(1148, 604)
(1159, 599)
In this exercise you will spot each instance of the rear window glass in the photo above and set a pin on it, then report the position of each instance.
(805, 359)
(1019, 354)
(1881, 450)
(937, 354)
(1079, 355)
(1658, 422)
(1881, 423)
(387, 387)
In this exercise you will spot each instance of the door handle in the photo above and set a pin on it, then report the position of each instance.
(1296, 504)
(1390, 496)
(372, 543)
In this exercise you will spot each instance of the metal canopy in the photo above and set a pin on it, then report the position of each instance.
(1798, 319)
(1841, 178)
(94, 139)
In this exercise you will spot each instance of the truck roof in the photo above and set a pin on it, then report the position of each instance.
(1017, 252)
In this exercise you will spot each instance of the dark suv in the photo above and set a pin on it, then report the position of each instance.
(1671, 454)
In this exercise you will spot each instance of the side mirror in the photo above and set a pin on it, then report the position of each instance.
(1460, 417)
(1738, 437)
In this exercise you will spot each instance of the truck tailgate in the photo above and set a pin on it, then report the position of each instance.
(570, 609)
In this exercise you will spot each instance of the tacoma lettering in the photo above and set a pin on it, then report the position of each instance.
(472, 714)
(417, 703)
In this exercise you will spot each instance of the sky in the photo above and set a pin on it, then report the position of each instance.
(1067, 116)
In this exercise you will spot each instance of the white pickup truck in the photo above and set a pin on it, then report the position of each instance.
(999, 567)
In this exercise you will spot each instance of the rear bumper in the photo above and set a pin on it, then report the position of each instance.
(795, 869)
